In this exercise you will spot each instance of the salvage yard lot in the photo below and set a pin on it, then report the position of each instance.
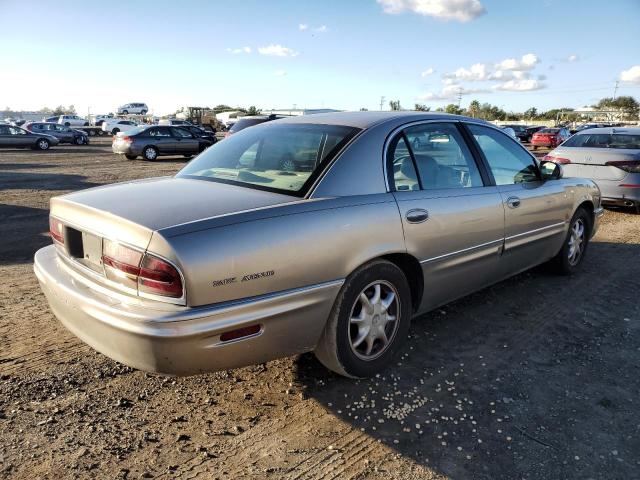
(535, 377)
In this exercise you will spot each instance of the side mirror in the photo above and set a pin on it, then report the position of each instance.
(551, 171)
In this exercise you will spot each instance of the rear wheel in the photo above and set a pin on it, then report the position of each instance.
(125, 112)
(115, 131)
(150, 153)
(79, 141)
(369, 321)
(143, 112)
(43, 144)
(574, 248)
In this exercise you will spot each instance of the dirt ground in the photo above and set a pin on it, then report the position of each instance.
(533, 378)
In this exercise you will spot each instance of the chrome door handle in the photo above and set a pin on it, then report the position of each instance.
(513, 202)
(417, 215)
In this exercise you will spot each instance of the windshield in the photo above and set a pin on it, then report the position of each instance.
(271, 156)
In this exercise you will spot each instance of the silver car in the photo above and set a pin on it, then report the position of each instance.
(322, 233)
(610, 157)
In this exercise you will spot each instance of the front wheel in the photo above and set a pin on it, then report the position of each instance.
(79, 141)
(369, 321)
(125, 112)
(574, 248)
(43, 144)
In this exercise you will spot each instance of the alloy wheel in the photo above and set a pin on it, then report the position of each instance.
(373, 322)
(576, 242)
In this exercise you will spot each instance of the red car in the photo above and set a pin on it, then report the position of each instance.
(549, 137)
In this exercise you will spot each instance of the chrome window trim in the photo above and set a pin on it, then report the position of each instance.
(103, 278)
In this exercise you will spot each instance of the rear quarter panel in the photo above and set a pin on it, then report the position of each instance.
(281, 248)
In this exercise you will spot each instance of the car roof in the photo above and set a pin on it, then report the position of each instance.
(366, 120)
(612, 130)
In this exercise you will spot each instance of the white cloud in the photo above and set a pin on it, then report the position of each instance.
(460, 10)
(451, 92)
(302, 26)
(277, 51)
(632, 75)
(477, 72)
(527, 62)
(572, 58)
(279, 73)
(236, 51)
(525, 85)
(427, 72)
(322, 29)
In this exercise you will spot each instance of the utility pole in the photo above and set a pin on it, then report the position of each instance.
(615, 89)
(459, 96)
(382, 99)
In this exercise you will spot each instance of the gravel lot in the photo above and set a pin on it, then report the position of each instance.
(533, 378)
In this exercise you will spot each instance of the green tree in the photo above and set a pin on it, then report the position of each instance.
(395, 105)
(252, 110)
(531, 113)
(421, 107)
(627, 105)
(474, 108)
(453, 109)
(223, 108)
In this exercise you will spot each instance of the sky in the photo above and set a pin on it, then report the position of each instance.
(316, 53)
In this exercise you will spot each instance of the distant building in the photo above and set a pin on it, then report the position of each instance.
(297, 111)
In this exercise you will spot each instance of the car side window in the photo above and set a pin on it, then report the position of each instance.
(509, 162)
(181, 133)
(442, 157)
(17, 131)
(404, 172)
(4, 130)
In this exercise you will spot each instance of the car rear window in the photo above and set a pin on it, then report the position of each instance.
(246, 122)
(549, 130)
(284, 158)
(604, 140)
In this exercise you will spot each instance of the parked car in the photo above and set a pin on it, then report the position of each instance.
(62, 133)
(249, 121)
(134, 108)
(530, 131)
(100, 119)
(200, 132)
(153, 141)
(53, 119)
(73, 120)
(520, 131)
(17, 137)
(174, 121)
(234, 261)
(116, 125)
(549, 137)
(509, 131)
(608, 156)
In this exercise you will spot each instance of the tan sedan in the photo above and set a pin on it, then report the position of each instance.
(324, 233)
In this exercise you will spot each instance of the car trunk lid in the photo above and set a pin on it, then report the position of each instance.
(592, 162)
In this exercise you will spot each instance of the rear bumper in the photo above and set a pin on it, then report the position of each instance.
(181, 340)
(616, 195)
(125, 148)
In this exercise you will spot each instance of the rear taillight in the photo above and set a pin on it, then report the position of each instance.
(145, 272)
(227, 134)
(551, 158)
(56, 230)
(127, 139)
(631, 166)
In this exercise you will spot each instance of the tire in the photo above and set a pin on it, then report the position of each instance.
(534, 147)
(115, 131)
(86, 124)
(143, 112)
(125, 112)
(131, 157)
(43, 144)
(150, 153)
(78, 140)
(67, 124)
(343, 346)
(569, 260)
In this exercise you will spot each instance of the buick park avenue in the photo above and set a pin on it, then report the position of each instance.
(323, 233)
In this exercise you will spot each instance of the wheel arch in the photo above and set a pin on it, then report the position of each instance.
(412, 270)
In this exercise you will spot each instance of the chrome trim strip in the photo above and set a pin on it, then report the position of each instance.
(464, 250)
(548, 227)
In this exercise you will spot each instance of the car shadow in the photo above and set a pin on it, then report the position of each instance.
(30, 233)
(514, 381)
(24, 166)
(37, 181)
